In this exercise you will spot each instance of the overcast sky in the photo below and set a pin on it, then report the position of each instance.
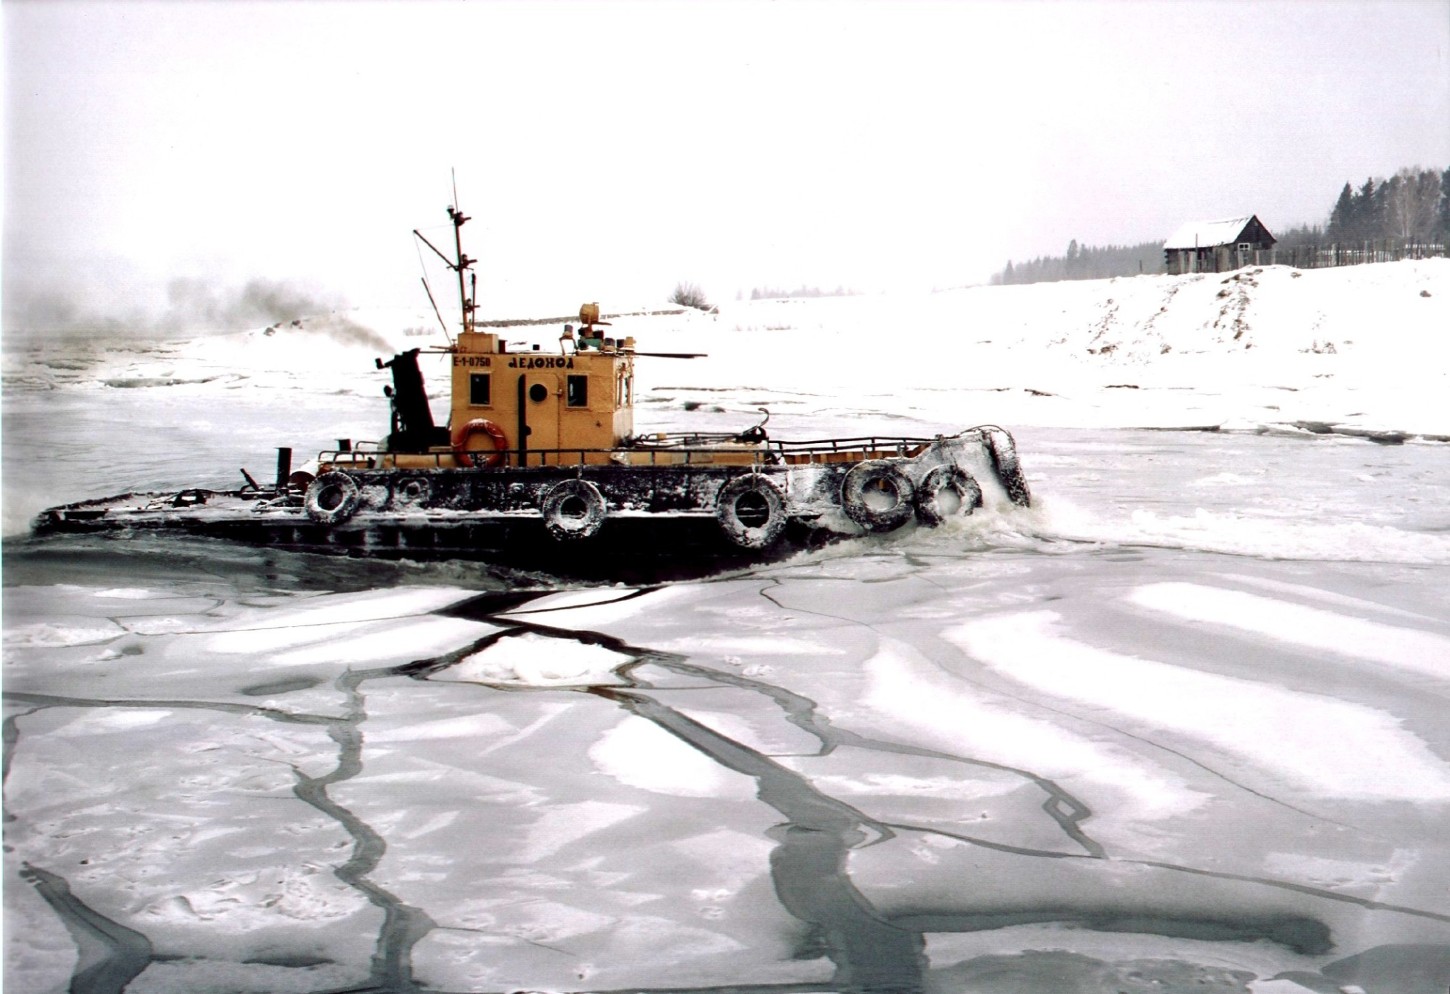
(608, 150)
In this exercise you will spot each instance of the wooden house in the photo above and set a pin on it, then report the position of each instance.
(1216, 246)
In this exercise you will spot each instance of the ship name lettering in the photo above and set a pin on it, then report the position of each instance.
(542, 362)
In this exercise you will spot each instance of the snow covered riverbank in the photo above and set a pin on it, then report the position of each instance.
(1273, 348)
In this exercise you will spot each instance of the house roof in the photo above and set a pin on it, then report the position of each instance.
(1207, 234)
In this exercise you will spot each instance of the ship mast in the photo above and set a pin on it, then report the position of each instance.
(459, 264)
(463, 263)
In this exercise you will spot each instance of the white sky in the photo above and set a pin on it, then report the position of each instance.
(609, 150)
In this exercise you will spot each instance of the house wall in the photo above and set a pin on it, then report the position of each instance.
(1257, 235)
(1213, 258)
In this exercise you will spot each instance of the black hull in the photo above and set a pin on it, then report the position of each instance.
(642, 549)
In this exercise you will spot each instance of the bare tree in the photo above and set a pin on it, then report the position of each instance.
(1411, 203)
(690, 295)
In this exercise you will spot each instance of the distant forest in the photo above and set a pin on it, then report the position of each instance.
(1411, 207)
(802, 292)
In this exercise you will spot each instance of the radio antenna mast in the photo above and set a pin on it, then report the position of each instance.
(463, 261)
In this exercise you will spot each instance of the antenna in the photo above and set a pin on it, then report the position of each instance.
(463, 263)
(429, 292)
(457, 217)
(459, 264)
(423, 278)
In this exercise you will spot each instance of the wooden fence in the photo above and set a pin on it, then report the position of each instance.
(1226, 259)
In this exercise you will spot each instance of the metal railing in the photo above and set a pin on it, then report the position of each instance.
(667, 450)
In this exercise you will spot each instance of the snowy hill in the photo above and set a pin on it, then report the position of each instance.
(1364, 347)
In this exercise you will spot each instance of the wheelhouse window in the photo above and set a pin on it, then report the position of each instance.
(479, 390)
(578, 391)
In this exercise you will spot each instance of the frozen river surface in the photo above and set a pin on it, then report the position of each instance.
(1182, 726)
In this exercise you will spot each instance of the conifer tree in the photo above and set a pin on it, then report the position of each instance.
(1378, 224)
(1341, 218)
(1365, 214)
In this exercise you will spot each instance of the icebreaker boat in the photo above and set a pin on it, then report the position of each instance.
(538, 466)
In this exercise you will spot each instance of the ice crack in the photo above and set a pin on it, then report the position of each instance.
(809, 862)
(1060, 805)
(108, 949)
(403, 925)
(109, 955)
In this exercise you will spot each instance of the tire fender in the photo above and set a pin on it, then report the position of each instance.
(412, 491)
(332, 498)
(573, 510)
(877, 475)
(940, 480)
(757, 525)
(1003, 451)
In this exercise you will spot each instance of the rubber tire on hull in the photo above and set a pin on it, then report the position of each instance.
(1003, 451)
(568, 527)
(939, 480)
(742, 532)
(332, 498)
(873, 473)
(412, 491)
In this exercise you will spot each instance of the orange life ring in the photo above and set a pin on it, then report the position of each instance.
(465, 432)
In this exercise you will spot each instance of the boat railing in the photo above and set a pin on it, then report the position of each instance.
(520, 458)
(658, 450)
(901, 445)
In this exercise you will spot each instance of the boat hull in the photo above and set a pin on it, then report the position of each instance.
(626, 548)
(627, 523)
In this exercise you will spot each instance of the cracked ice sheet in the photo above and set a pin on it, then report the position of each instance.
(1330, 747)
(188, 832)
(370, 628)
(1296, 624)
(595, 609)
(613, 869)
(945, 886)
(641, 754)
(949, 714)
(282, 655)
(533, 660)
(1037, 958)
